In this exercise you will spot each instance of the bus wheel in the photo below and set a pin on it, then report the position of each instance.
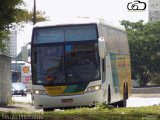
(126, 92)
(48, 109)
(109, 96)
(123, 103)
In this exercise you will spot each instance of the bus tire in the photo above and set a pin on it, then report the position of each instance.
(109, 96)
(48, 109)
(127, 91)
(123, 103)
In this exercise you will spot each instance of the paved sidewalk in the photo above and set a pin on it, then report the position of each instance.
(20, 108)
(146, 95)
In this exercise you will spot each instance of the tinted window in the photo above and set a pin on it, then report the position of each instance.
(67, 64)
(48, 35)
(80, 33)
(82, 63)
(50, 64)
(64, 34)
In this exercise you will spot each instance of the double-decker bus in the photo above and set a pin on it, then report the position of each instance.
(79, 63)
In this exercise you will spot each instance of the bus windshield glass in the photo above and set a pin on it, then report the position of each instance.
(65, 57)
(67, 64)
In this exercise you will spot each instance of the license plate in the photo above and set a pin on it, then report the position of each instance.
(67, 100)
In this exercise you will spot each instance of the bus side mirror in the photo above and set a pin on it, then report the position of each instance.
(101, 47)
(25, 53)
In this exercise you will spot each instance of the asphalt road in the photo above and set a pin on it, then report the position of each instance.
(23, 104)
(131, 102)
(23, 99)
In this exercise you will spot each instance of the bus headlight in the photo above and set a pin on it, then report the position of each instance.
(93, 88)
(40, 92)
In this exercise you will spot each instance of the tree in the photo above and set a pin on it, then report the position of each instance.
(27, 16)
(144, 41)
(12, 13)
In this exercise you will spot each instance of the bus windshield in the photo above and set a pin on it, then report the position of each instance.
(65, 54)
(67, 64)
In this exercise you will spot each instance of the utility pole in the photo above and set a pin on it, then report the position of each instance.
(34, 22)
(34, 13)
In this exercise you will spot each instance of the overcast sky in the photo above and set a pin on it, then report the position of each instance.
(111, 10)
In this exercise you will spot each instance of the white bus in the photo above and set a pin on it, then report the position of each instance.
(79, 63)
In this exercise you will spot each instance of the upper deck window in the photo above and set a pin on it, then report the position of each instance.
(64, 34)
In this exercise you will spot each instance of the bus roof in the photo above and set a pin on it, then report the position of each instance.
(77, 21)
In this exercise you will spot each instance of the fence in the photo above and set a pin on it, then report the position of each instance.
(146, 90)
(5, 80)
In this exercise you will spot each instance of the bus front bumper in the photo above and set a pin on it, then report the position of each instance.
(86, 99)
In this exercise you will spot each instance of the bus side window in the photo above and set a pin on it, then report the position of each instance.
(35, 58)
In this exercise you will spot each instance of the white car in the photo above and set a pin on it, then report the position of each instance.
(19, 89)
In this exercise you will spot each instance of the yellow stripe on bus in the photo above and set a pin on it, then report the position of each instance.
(55, 90)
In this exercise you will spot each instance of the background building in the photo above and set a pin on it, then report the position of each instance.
(154, 10)
(5, 80)
(16, 70)
(13, 44)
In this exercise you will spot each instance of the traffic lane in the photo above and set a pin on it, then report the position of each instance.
(131, 102)
(23, 99)
(141, 101)
(19, 107)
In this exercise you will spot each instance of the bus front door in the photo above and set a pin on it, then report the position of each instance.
(106, 79)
